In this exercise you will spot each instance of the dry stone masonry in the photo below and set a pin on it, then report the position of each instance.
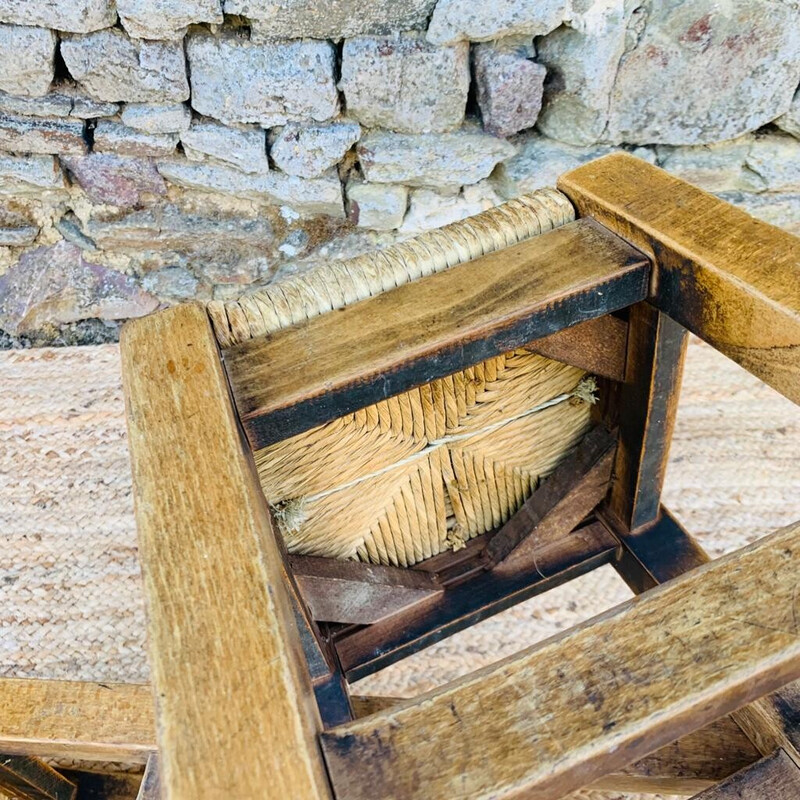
(154, 151)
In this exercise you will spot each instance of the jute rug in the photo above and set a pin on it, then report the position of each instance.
(70, 599)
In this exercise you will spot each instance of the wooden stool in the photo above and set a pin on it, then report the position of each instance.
(252, 647)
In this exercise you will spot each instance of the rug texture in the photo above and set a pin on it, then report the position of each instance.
(70, 596)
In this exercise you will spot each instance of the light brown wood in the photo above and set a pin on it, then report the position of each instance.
(150, 788)
(235, 711)
(559, 715)
(81, 720)
(775, 777)
(358, 593)
(28, 778)
(336, 363)
(731, 279)
(597, 345)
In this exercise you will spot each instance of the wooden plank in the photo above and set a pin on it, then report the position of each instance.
(597, 345)
(561, 714)
(663, 551)
(731, 279)
(647, 405)
(83, 720)
(373, 647)
(28, 778)
(556, 508)
(235, 708)
(775, 777)
(357, 593)
(150, 788)
(336, 363)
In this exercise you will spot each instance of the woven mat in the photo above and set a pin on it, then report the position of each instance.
(70, 599)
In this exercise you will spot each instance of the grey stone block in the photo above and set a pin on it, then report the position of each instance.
(174, 118)
(75, 16)
(166, 19)
(115, 137)
(310, 150)
(27, 58)
(41, 135)
(243, 148)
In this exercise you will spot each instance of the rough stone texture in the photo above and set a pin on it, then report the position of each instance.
(41, 135)
(172, 284)
(377, 206)
(581, 62)
(331, 19)
(111, 67)
(540, 160)
(706, 71)
(114, 137)
(18, 237)
(147, 118)
(29, 174)
(310, 150)
(115, 180)
(438, 160)
(56, 285)
(775, 158)
(509, 90)
(713, 167)
(234, 80)
(244, 148)
(75, 16)
(166, 19)
(790, 121)
(305, 195)
(429, 209)
(64, 101)
(403, 83)
(27, 60)
(454, 20)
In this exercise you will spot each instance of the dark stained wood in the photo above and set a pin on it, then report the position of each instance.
(368, 649)
(150, 788)
(731, 279)
(556, 508)
(357, 593)
(337, 363)
(558, 715)
(105, 785)
(597, 345)
(689, 765)
(28, 778)
(648, 402)
(775, 777)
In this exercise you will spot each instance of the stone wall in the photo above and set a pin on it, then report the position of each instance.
(157, 150)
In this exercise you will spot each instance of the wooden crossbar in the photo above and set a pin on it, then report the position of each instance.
(556, 716)
(775, 777)
(339, 362)
(726, 276)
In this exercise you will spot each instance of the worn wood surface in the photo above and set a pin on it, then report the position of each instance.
(647, 405)
(150, 788)
(339, 362)
(29, 778)
(561, 714)
(556, 508)
(235, 709)
(357, 593)
(373, 647)
(82, 720)
(731, 279)
(596, 345)
(664, 550)
(775, 777)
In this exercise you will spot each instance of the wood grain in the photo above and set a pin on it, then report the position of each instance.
(647, 404)
(556, 508)
(357, 593)
(731, 279)
(150, 788)
(339, 362)
(775, 777)
(561, 714)
(235, 708)
(596, 345)
(28, 778)
(373, 647)
(82, 720)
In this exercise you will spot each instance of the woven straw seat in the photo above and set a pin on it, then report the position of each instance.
(412, 476)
